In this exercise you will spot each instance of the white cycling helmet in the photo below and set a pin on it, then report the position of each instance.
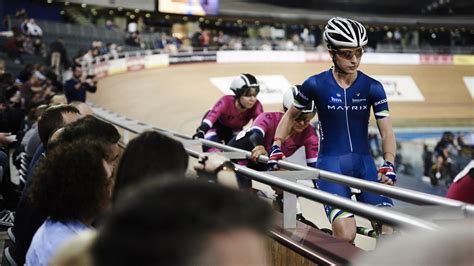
(241, 84)
(289, 98)
(344, 32)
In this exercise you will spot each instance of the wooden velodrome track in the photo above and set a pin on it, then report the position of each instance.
(176, 98)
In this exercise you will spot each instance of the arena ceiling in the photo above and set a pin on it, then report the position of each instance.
(451, 13)
(435, 7)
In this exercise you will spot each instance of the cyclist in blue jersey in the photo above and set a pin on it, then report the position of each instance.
(344, 97)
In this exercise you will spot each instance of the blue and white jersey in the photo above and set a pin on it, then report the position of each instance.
(343, 113)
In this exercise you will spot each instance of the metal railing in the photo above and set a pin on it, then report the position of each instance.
(384, 215)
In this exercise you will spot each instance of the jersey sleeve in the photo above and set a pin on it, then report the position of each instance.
(311, 146)
(305, 94)
(378, 100)
(262, 123)
(215, 112)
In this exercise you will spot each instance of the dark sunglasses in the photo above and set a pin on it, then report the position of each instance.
(348, 54)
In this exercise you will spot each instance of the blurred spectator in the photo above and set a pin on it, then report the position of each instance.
(31, 139)
(427, 157)
(205, 38)
(72, 187)
(11, 122)
(112, 50)
(14, 48)
(184, 223)
(77, 87)
(445, 150)
(110, 25)
(150, 155)
(24, 28)
(35, 91)
(28, 219)
(83, 108)
(92, 128)
(33, 29)
(221, 39)
(132, 27)
(216, 167)
(58, 47)
(196, 38)
(134, 39)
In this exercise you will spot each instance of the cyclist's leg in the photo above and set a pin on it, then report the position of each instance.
(212, 136)
(342, 222)
(369, 172)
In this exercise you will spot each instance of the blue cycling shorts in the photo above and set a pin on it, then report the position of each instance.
(355, 165)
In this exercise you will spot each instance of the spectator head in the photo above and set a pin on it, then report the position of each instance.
(77, 71)
(54, 118)
(448, 136)
(26, 72)
(149, 155)
(184, 223)
(91, 127)
(6, 78)
(37, 78)
(83, 108)
(73, 182)
(58, 99)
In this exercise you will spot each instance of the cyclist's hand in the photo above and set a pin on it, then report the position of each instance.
(385, 180)
(275, 155)
(209, 163)
(257, 151)
(199, 134)
(387, 174)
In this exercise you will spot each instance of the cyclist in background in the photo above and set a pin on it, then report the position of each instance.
(231, 113)
(259, 138)
(445, 151)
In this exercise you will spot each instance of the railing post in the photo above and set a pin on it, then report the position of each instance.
(289, 210)
(126, 137)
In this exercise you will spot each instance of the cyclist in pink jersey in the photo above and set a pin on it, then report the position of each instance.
(259, 139)
(231, 113)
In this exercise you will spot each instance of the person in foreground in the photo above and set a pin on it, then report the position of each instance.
(343, 97)
(184, 222)
(72, 186)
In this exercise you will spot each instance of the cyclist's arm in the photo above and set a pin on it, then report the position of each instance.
(285, 125)
(389, 146)
(311, 148)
